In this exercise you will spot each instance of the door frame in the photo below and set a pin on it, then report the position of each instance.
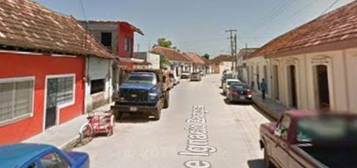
(60, 106)
(327, 61)
(292, 62)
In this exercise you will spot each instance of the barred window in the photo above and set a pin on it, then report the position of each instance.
(65, 90)
(16, 99)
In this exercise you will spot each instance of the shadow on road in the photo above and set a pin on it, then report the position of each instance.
(133, 118)
(237, 103)
(257, 163)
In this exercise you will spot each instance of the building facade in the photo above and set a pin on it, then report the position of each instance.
(42, 82)
(314, 65)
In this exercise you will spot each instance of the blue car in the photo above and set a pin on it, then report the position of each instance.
(40, 156)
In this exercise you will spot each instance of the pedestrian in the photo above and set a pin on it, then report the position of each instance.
(263, 87)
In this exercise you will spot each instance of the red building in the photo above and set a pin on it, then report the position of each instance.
(42, 68)
(118, 37)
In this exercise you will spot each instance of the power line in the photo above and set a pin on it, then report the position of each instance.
(331, 5)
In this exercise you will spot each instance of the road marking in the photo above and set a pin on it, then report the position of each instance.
(197, 143)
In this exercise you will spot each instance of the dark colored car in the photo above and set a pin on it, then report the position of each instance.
(185, 75)
(40, 156)
(239, 92)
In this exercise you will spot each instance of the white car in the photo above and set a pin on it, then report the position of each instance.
(228, 83)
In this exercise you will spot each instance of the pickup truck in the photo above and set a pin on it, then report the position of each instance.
(145, 92)
(40, 156)
(310, 139)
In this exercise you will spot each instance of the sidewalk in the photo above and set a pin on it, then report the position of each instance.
(63, 134)
(269, 106)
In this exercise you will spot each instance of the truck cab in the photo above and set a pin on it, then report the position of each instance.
(310, 139)
(145, 91)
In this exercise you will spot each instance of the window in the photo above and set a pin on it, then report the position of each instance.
(33, 165)
(53, 160)
(97, 86)
(128, 44)
(283, 126)
(64, 89)
(106, 39)
(16, 99)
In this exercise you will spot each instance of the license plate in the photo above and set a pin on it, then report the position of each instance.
(133, 109)
(242, 97)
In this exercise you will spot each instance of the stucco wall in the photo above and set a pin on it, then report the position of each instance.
(40, 66)
(98, 68)
(342, 72)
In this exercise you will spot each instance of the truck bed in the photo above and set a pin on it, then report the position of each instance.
(333, 157)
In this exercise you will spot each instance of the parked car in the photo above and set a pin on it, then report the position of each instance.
(23, 155)
(174, 78)
(145, 91)
(309, 139)
(195, 76)
(227, 83)
(239, 92)
(227, 75)
(202, 73)
(185, 75)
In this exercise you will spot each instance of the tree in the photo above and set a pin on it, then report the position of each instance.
(206, 56)
(164, 43)
(163, 61)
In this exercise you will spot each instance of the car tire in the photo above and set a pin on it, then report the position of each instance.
(166, 100)
(157, 114)
(267, 162)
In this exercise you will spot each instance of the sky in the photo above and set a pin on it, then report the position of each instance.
(199, 25)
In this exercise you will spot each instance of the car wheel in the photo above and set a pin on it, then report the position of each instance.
(157, 114)
(267, 161)
(167, 100)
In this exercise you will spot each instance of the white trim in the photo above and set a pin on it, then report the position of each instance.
(20, 52)
(327, 61)
(20, 79)
(59, 107)
(35, 53)
(61, 55)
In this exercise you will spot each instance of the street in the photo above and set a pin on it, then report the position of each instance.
(233, 133)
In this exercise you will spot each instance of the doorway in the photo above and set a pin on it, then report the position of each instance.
(292, 86)
(51, 103)
(276, 82)
(322, 86)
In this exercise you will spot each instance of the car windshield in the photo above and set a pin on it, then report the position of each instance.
(240, 86)
(232, 82)
(327, 128)
(229, 76)
(142, 79)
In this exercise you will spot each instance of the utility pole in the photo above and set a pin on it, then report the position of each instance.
(233, 40)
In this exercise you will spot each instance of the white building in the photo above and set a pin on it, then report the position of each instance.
(313, 66)
(153, 59)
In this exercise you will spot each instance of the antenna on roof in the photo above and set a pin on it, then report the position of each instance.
(86, 22)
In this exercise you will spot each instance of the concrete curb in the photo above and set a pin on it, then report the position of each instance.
(68, 143)
(266, 110)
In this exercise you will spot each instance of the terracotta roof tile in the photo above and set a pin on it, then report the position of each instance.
(195, 58)
(27, 25)
(170, 54)
(221, 58)
(337, 26)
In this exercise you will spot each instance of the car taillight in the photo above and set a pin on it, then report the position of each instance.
(249, 92)
(234, 92)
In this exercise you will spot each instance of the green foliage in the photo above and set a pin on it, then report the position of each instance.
(206, 56)
(163, 61)
(164, 43)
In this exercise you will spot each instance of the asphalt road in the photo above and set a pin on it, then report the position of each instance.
(228, 138)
